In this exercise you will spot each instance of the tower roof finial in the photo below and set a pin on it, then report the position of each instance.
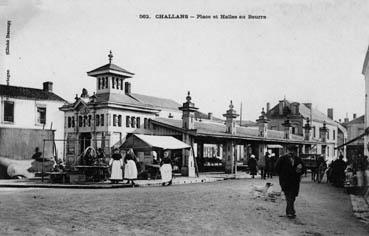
(110, 57)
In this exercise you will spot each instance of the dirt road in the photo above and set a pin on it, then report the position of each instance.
(220, 208)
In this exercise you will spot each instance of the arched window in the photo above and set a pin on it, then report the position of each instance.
(138, 122)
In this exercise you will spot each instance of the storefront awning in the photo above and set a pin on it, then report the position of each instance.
(141, 141)
(274, 146)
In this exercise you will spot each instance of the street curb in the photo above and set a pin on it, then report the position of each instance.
(107, 186)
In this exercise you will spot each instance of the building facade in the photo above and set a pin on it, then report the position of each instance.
(103, 119)
(33, 114)
(322, 127)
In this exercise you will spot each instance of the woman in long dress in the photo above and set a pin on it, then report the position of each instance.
(116, 164)
(130, 169)
(166, 169)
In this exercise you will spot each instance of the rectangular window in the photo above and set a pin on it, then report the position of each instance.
(138, 122)
(334, 135)
(102, 120)
(97, 120)
(127, 121)
(133, 122)
(113, 82)
(145, 123)
(121, 84)
(98, 83)
(73, 122)
(9, 111)
(328, 134)
(114, 120)
(120, 121)
(80, 121)
(117, 81)
(89, 120)
(106, 82)
(314, 132)
(69, 122)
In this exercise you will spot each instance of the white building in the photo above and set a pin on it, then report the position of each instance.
(103, 119)
(26, 115)
(365, 72)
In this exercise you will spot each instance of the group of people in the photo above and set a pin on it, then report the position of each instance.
(265, 164)
(128, 163)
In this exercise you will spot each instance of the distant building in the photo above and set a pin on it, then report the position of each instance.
(29, 115)
(299, 114)
(355, 128)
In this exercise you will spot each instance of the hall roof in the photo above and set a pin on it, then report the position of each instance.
(28, 93)
(215, 129)
(110, 68)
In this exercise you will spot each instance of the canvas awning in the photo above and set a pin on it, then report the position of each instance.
(141, 141)
(274, 146)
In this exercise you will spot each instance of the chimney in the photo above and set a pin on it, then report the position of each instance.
(330, 113)
(354, 116)
(48, 86)
(268, 107)
(127, 87)
(280, 107)
(339, 120)
(346, 120)
(210, 116)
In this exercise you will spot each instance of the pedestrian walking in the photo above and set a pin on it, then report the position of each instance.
(290, 168)
(116, 164)
(252, 164)
(130, 168)
(166, 168)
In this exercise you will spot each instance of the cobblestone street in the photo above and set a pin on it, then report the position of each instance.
(219, 208)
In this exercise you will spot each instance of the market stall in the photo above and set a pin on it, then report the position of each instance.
(149, 150)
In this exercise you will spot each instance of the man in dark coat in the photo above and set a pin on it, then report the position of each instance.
(290, 168)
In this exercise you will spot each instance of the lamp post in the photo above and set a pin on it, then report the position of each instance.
(287, 129)
(307, 128)
(323, 132)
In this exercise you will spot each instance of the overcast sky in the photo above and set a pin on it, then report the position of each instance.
(310, 51)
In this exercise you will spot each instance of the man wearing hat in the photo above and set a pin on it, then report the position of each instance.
(290, 168)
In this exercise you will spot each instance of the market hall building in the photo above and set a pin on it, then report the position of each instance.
(104, 119)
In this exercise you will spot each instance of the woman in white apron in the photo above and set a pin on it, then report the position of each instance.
(116, 164)
(130, 168)
(166, 169)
